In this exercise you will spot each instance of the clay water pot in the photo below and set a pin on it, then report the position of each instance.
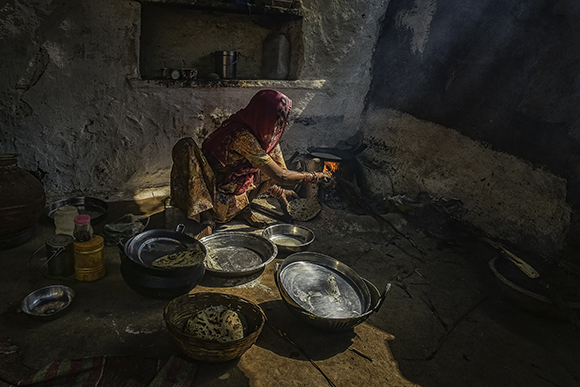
(22, 201)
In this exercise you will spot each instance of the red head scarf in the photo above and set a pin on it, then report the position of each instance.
(266, 117)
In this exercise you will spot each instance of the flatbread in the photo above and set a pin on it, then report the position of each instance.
(181, 259)
(216, 323)
(304, 209)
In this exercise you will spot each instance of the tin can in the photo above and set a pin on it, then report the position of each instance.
(226, 63)
(89, 264)
(59, 255)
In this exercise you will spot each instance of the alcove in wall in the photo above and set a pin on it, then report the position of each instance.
(177, 36)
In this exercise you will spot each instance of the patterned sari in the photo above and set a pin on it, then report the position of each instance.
(220, 176)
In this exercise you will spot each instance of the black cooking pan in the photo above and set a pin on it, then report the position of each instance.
(138, 252)
(334, 154)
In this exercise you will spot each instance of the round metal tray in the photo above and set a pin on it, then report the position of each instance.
(323, 286)
(95, 208)
(237, 254)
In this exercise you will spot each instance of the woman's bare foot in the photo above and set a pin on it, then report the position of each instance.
(207, 229)
(252, 219)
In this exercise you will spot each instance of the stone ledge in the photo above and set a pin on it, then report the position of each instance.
(314, 84)
(250, 9)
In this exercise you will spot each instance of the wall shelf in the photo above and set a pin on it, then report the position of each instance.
(314, 84)
(223, 6)
(176, 37)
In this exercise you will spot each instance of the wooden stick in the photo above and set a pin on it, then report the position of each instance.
(434, 311)
(285, 337)
(354, 197)
(361, 354)
(455, 323)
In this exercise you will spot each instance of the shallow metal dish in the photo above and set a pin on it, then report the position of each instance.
(48, 303)
(96, 208)
(289, 238)
(321, 286)
(340, 324)
(237, 254)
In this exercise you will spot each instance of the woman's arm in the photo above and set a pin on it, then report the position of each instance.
(280, 175)
(284, 176)
(272, 165)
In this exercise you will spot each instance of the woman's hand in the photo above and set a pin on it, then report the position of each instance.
(284, 176)
(317, 177)
(288, 194)
(282, 194)
(324, 177)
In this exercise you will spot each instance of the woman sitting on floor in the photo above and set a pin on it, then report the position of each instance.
(237, 162)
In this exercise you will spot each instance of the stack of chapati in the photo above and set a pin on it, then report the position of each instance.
(216, 323)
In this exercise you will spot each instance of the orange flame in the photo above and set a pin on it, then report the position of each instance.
(330, 167)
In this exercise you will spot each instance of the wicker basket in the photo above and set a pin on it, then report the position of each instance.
(180, 309)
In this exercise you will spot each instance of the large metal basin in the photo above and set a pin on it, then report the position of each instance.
(237, 254)
(303, 282)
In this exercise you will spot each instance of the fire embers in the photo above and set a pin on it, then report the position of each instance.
(337, 192)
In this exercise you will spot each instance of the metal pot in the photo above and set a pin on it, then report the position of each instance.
(138, 252)
(342, 324)
(295, 276)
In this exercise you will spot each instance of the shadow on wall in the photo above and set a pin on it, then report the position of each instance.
(502, 195)
(499, 72)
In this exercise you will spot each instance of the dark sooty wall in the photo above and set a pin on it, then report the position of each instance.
(505, 72)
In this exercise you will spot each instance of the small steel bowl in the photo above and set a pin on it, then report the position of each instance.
(48, 303)
(289, 238)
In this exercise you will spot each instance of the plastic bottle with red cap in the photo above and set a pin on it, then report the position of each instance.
(83, 229)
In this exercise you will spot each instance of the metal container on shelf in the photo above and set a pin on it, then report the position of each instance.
(226, 63)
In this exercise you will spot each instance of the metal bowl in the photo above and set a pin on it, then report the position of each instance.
(325, 293)
(138, 253)
(48, 303)
(237, 254)
(289, 238)
(96, 208)
(340, 324)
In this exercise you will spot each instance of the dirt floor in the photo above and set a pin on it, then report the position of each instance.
(445, 321)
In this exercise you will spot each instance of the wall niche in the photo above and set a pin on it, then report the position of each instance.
(177, 36)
